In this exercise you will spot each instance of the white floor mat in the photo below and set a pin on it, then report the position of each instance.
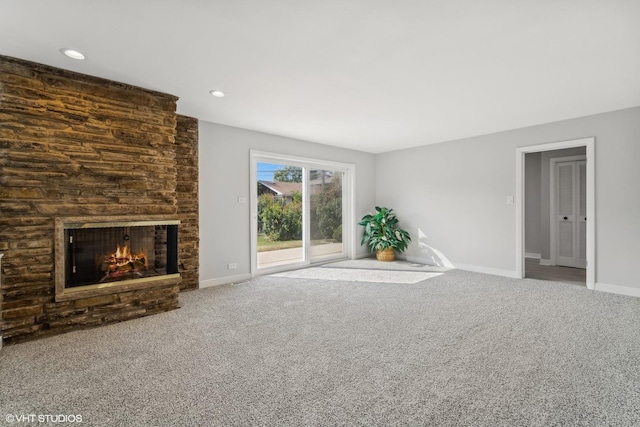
(358, 275)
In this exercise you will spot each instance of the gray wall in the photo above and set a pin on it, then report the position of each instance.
(225, 235)
(455, 193)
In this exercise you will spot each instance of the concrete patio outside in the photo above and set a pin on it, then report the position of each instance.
(287, 256)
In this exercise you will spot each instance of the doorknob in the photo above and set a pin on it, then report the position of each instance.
(565, 218)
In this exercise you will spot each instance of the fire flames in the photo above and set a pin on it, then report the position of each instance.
(125, 261)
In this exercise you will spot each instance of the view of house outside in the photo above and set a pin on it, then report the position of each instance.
(280, 212)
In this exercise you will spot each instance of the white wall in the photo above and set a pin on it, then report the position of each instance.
(225, 235)
(455, 192)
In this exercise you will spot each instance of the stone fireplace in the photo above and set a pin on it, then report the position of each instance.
(78, 153)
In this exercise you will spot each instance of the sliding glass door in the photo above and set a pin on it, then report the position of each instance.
(325, 214)
(300, 208)
(279, 215)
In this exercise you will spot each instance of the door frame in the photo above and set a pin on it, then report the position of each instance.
(589, 144)
(348, 205)
(553, 229)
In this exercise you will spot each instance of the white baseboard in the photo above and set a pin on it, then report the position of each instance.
(224, 280)
(532, 255)
(545, 262)
(616, 289)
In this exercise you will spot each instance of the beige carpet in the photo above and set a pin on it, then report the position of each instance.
(459, 349)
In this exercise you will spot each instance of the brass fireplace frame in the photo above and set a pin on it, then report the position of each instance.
(89, 291)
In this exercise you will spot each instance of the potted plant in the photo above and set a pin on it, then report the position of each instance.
(382, 234)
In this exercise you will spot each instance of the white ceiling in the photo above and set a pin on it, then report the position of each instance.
(369, 75)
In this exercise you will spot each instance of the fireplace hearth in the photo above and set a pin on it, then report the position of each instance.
(95, 256)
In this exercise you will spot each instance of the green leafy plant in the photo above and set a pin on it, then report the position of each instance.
(281, 220)
(381, 231)
(326, 210)
(288, 174)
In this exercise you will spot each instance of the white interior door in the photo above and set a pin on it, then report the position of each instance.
(570, 215)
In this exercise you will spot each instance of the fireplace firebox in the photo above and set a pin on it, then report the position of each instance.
(98, 256)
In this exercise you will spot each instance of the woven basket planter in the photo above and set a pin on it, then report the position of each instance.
(386, 255)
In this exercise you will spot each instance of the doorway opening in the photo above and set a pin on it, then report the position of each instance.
(555, 216)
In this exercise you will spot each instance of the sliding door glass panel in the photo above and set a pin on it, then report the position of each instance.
(280, 219)
(325, 214)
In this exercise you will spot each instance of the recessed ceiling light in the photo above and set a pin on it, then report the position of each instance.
(73, 54)
(217, 93)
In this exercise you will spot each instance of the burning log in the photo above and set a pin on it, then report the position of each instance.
(123, 262)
